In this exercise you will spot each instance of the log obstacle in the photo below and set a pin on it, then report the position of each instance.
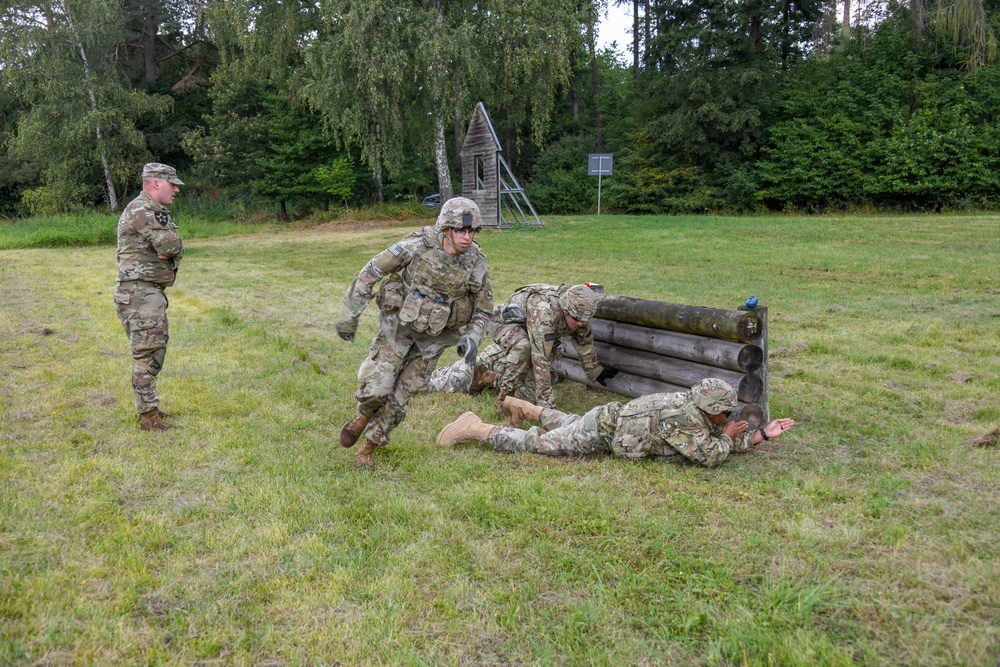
(666, 347)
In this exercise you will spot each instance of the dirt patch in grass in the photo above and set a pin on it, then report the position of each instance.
(988, 439)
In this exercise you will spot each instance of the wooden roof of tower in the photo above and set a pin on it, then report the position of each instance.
(488, 180)
(480, 178)
(480, 118)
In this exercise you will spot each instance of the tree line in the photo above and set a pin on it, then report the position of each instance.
(305, 104)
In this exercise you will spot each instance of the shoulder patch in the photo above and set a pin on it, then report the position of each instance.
(551, 336)
(162, 217)
(396, 249)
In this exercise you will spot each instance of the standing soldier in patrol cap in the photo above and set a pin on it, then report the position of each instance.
(435, 283)
(149, 252)
(684, 425)
(530, 327)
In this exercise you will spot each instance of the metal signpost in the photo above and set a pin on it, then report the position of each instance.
(599, 164)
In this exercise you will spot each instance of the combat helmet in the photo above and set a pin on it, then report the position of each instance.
(580, 302)
(713, 396)
(459, 213)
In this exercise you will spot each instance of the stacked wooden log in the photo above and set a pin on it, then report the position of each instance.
(667, 347)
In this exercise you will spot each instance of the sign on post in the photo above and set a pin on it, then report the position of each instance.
(599, 164)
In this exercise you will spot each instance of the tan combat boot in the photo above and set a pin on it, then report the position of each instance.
(364, 459)
(520, 410)
(482, 377)
(351, 431)
(467, 427)
(152, 421)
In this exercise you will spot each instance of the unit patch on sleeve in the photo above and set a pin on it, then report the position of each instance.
(395, 249)
(162, 217)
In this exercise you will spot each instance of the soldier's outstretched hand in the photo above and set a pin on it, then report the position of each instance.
(733, 429)
(776, 427)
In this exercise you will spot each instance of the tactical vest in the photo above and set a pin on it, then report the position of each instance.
(522, 294)
(438, 290)
(639, 419)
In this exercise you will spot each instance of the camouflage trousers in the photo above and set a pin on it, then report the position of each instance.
(142, 309)
(387, 383)
(457, 377)
(562, 434)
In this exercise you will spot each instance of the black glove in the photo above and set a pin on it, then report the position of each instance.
(606, 375)
(467, 348)
(346, 329)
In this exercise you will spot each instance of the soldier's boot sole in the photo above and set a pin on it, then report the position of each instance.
(467, 427)
(352, 430)
(364, 460)
(520, 410)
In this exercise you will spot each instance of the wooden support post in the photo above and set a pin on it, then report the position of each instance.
(762, 372)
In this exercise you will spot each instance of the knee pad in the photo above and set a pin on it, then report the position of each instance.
(154, 362)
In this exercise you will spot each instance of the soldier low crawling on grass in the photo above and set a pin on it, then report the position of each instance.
(435, 283)
(149, 252)
(519, 362)
(690, 424)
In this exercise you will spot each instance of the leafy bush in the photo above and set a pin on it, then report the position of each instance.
(561, 184)
(884, 126)
(653, 189)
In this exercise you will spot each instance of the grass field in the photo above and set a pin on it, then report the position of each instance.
(868, 535)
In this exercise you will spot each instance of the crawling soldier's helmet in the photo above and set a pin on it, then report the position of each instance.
(459, 213)
(714, 396)
(580, 302)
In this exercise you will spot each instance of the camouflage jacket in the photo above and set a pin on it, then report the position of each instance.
(545, 322)
(145, 229)
(427, 295)
(670, 426)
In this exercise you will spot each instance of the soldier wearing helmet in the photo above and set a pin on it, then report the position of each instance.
(435, 292)
(690, 425)
(527, 341)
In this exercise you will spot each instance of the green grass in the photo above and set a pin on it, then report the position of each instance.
(868, 535)
(90, 229)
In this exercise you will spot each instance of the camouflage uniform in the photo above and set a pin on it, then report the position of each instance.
(532, 345)
(457, 376)
(661, 426)
(144, 231)
(427, 297)
(523, 351)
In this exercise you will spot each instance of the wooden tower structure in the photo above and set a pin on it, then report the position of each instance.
(488, 180)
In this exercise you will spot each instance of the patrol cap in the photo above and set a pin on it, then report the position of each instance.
(157, 170)
(714, 396)
(459, 213)
(580, 302)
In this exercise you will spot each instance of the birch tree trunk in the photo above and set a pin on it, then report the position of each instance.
(112, 196)
(441, 159)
